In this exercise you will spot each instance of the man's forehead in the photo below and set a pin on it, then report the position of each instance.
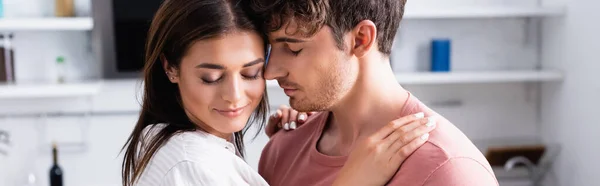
(289, 29)
(296, 29)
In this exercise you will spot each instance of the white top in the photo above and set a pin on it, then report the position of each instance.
(197, 158)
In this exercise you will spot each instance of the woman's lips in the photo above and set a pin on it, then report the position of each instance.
(231, 113)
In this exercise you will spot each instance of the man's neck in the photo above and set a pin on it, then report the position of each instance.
(375, 100)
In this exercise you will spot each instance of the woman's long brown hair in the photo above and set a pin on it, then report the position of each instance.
(175, 27)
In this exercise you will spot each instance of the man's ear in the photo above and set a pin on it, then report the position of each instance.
(364, 38)
(170, 71)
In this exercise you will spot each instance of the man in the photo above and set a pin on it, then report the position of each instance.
(333, 56)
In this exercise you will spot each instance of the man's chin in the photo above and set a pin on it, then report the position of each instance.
(297, 105)
(304, 106)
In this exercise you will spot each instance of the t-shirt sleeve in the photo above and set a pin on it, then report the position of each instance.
(461, 172)
(189, 173)
(266, 163)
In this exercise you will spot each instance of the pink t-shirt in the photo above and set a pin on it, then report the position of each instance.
(449, 158)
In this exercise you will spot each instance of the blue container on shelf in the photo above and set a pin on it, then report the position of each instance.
(440, 55)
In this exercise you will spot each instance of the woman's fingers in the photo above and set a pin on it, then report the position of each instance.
(279, 114)
(425, 126)
(274, 123)
(402, 153)
(417, 123)
(393, 125)
(406, 133)
(421, 131)
(293, 118)
(285, 117)
(302, 116)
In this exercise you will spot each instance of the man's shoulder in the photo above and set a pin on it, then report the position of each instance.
(447, 142)
(447, 148)
(422, 162)
(431, 164)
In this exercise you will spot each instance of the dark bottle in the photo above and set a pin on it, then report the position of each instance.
(7, 67)
(56, 173)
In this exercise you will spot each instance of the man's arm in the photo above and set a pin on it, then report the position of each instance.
(461, 172)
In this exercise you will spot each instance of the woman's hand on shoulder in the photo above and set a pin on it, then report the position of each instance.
(376, 159)
(285, 118)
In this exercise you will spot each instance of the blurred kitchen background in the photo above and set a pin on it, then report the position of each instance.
(519, 77)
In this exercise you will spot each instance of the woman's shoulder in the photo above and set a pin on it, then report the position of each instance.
(189, 145)
(182, 148)
(196, 152)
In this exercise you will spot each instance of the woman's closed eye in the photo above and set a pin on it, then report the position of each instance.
(208, 80)
(249, 76)
(252, 76)
(211, 78)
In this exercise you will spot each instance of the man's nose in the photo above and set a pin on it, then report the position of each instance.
(275, 68)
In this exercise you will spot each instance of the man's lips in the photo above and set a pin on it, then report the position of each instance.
(289, 91)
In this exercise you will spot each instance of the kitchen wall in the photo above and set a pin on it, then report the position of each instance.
(482, 111)
(569, 111)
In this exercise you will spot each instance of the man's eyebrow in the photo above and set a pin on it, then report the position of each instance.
(288, 40)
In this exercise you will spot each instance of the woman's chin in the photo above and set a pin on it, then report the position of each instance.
(231, 127)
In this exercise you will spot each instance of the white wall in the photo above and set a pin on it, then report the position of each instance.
(570, 110)
(484, 112)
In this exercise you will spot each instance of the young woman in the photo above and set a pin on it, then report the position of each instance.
(203, 88)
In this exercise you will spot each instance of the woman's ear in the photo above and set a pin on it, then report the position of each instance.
(170, 71)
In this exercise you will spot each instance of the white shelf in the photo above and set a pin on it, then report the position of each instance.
(45, 24)
(29, 91)
(478, 77)
(481, 12)
(424, 78)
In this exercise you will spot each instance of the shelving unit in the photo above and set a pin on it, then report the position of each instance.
(481, 12)
(31, 91)
(46, 24)
(424, 78)
(41, 90)
(532, 19)
(479, 77)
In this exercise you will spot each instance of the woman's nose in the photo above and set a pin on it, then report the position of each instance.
(233, 91)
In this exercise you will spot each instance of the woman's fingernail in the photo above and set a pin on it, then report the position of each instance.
(286, 126)
(430, 122)
(425, 136)
(293, 125)
(275, 115)
(420, 115)
(302, 117)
